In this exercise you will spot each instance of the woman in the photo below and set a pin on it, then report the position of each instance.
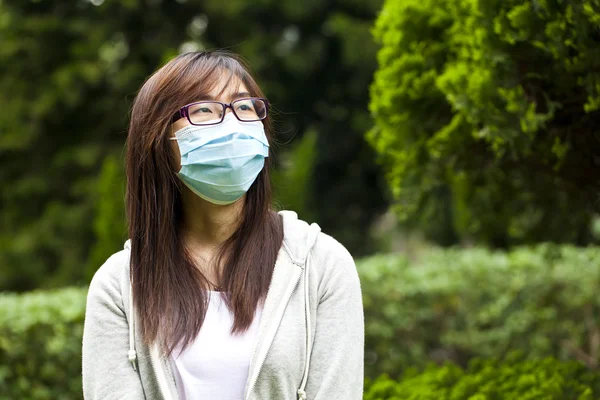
(215, 295)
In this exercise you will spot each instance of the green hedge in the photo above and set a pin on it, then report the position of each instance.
(449, 305)
(546, 379)
(40, 344)
(453, 305)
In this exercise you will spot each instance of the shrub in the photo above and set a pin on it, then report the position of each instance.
(546, 379)
(40, 344)
(449, 305)
(453, 305)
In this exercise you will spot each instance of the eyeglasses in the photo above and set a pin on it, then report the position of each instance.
(247, 109)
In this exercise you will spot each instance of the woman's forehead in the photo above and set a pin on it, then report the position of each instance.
(227, 88)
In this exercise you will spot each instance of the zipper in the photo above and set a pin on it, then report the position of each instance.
(266, 345)
(159, 372)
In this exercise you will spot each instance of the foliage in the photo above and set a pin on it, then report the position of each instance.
(453, 305)
(40, 344)
(291, 182)
(547, 379)
(496, 101)
(68, 74)
(109, 224)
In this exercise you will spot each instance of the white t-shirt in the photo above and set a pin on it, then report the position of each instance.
(215, 365)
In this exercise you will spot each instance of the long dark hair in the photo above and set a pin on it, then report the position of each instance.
(169, 291)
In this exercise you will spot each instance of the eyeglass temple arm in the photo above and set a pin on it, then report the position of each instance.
(179, 114)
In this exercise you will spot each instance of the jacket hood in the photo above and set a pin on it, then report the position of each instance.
(298, 236)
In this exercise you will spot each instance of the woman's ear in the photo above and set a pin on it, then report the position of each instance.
(175, 155)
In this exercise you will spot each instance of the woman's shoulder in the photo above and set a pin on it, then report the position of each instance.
(335, 269)
(108, 278)
(330, 254)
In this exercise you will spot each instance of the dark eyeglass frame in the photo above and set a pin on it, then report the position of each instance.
(184, 113)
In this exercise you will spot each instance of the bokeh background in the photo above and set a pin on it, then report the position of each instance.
(453, 146)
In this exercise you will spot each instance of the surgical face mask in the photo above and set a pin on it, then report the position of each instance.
(220, 162)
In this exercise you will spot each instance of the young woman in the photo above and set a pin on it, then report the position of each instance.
(217, 296)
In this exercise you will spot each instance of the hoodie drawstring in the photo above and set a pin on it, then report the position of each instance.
(301, 392)
(314, 231)
(132, 354)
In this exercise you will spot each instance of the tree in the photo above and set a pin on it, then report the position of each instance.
(499, 102)
(69, 72)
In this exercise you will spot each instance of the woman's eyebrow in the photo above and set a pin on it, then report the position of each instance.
(235, 96)
(240, 95)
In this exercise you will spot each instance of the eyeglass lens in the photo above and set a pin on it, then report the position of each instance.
(245, 109)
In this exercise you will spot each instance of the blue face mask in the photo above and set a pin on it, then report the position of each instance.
(220, 162)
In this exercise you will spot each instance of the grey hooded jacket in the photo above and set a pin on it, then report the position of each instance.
(314, 284)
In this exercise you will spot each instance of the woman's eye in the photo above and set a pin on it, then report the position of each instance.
(201, 110)
(244, 107)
